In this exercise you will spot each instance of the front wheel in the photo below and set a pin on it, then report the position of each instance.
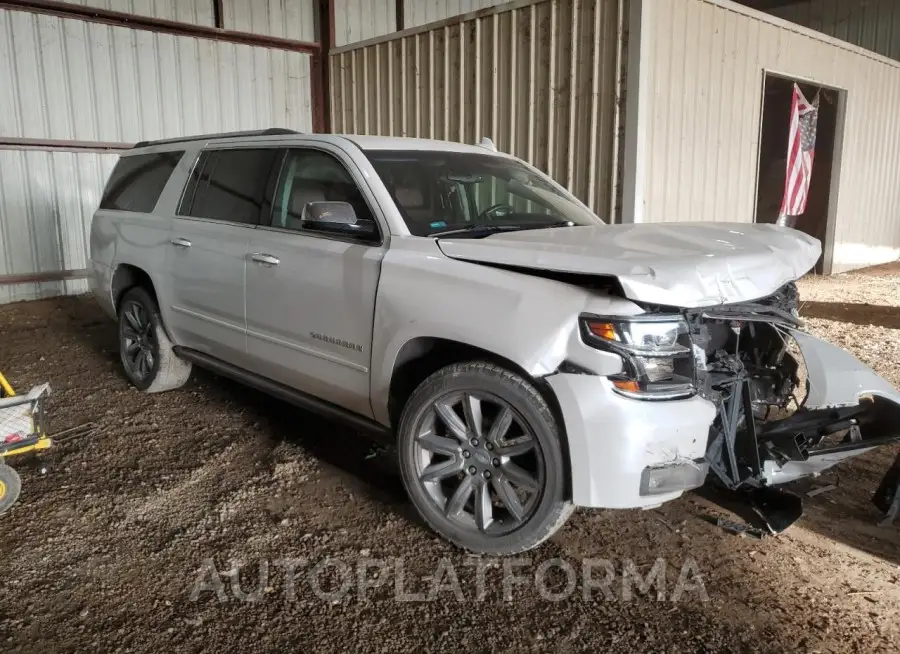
(481, 459)
(148, 356)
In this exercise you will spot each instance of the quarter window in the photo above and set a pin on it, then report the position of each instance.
(137, 181)
(228, 185)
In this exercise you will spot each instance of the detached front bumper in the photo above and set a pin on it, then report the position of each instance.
(628, 453)
(840, 387)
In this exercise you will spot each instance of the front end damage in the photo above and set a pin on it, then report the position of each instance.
(788, 404)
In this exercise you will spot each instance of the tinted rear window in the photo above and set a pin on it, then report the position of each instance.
(137, 181)
(228, 185)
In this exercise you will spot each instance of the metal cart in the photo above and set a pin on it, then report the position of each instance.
(22, 430)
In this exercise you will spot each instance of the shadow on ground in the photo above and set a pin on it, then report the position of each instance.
(858, 314)
(101, 552)
(369, 468)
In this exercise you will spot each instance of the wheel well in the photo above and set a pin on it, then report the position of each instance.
(421, 357)
(127, 277)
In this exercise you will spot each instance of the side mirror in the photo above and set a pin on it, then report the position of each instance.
(336, 218)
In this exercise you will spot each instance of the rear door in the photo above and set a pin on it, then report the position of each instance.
(310, 295)
(218, 212)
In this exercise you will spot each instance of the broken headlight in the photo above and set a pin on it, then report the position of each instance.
(656, 351)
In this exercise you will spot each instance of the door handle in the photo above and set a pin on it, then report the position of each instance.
(180, 242)
(265, 259)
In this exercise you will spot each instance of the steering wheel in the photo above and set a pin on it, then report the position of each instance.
(498, 210)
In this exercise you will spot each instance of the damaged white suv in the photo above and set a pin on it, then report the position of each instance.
(523, 356)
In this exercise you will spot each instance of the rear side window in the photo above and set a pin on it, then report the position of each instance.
(228, 185)
(137, 181)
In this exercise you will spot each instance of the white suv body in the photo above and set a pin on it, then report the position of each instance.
(522, 355)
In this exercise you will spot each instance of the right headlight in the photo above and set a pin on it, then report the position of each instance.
(656, 351)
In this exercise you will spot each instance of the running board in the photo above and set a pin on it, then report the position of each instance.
(282, 392)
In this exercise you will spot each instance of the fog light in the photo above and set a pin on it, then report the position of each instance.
(673, 478)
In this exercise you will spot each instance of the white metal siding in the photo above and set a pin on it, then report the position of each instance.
(46, 203)
(287, 19)
(703, 118)
(358, 20)
(873, 24)
(539, 78)
(196, 12)
(422, 12)
(76, 80)
(73, 80)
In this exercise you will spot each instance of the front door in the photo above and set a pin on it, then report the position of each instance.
(208, 250)
(311, 296)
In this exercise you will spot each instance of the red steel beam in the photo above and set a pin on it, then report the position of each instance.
(218, 14)
(37, 278)
(16, 143)
(321, 68)
(92, 14)
(399, 16)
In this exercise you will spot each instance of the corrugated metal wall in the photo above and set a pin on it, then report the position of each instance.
(287, 19)
(358, 20)
(539, 78)
(702, 119)
(196, 12)
(65, 79)
(870, 24)
(71, 79)
(422, 12)
(58, 192)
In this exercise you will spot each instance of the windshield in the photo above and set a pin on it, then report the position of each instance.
(440, 192)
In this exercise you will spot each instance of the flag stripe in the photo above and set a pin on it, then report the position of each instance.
(801, 152)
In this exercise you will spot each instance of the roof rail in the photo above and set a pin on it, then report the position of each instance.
(271, 131)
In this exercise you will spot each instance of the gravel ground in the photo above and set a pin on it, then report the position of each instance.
(120, 544)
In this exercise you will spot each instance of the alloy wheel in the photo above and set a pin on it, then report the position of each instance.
(140, 351)
(479, 462)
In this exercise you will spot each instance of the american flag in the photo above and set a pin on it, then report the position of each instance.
(801, 149)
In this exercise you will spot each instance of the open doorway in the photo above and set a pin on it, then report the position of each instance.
(818, 218)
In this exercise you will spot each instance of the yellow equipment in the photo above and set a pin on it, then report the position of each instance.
(22, 430)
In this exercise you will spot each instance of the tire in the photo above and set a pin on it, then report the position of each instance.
(10, 487)
(492, 479)
(148, 356)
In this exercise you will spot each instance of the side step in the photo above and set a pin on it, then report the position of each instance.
(286, 393)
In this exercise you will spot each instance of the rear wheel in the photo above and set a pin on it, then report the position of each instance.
(148, 356)
(482, 460)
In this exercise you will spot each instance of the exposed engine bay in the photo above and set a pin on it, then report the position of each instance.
(749, 364)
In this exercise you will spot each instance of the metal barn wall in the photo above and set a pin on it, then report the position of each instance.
(422, 12)
(697, 159)
(58, 193)
(72, 87)
(196, 12)
(287, 19)
(358, 20)
(539, 78)
(70, 79)
(873, 24)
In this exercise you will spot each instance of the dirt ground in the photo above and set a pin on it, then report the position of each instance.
(105, 549)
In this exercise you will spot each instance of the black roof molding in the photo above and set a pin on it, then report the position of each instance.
(272, 131)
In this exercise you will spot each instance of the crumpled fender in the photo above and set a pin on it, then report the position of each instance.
(836, 377)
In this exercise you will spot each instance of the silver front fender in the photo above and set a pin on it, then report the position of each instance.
(836, 377)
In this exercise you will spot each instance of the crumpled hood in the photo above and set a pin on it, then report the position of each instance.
(685, 264)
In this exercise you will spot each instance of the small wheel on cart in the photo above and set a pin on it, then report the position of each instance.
(10, 487)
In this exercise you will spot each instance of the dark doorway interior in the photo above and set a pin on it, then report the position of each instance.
(773, 145)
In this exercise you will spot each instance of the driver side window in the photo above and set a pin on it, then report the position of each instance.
(313, 176)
